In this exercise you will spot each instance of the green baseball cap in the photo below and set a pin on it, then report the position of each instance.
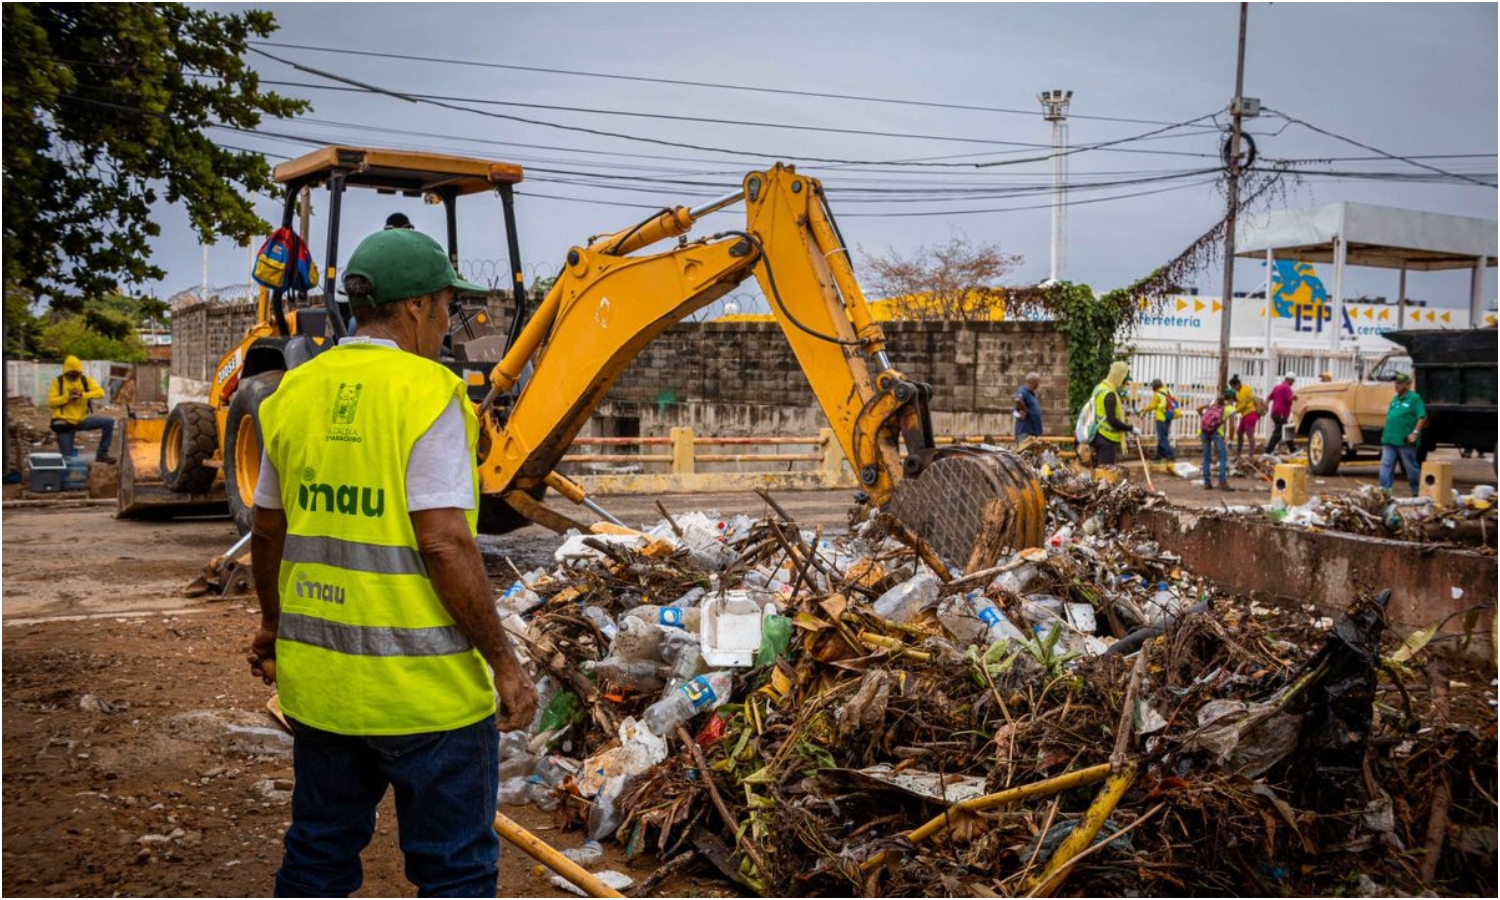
(397, 264)
(1403, 377)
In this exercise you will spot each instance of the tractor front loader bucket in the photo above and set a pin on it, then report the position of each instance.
(142, 493)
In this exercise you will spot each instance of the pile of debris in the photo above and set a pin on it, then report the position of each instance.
(1468, 519)
(826, 716)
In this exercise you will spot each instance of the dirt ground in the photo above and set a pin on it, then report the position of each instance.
(139, 759)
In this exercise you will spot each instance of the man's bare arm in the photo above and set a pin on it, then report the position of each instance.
(457, 573)
(267, 542)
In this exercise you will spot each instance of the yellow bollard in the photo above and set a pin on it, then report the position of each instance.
(1436, 482)
(1290, 483)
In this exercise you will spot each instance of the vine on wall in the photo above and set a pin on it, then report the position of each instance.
(1093, 328)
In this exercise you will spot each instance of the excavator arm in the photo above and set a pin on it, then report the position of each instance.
(606, 305)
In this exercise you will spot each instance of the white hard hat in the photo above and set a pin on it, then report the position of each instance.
(1290, 376)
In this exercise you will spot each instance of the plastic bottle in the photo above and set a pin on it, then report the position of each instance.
(517, 599)
(635, 675)
(684, 654)
(685, 619)
(551, 771)
(1016, 580)
(997, 626)
(691, 598)
(1044, 612)
(602, 621)
(701, 694)
(1162, 605)
(587, 855)
(1062, 538)
(637, 639)
(903, 601)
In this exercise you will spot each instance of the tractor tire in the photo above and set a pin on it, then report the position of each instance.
(242, 445)
(1325, 447)
(187, 446)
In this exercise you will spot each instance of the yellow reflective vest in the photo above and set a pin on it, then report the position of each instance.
(1101, 391)
(365, 645)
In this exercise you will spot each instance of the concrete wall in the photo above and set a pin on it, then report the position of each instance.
(33, 380)
(740, 378)
(1327, 569)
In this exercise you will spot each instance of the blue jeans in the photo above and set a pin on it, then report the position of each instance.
(1408, 454)
(1164, 442)
(102, 424)
(445, 784)
(1211, 441)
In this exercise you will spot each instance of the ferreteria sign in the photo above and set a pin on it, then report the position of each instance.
(1301, 311)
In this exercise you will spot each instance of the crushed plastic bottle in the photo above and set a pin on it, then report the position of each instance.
(904, 600)
(975, 619)
(587, 855)
(637, 639)
(551, 772)
(518, 598)
(684, 618)
(691, 598)
(635, 675)
(682, 651)
(704, 538)
(1016, 580)
(1061, 538)
(701, 694)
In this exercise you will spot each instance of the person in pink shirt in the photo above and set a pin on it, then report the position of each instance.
(1280, 398)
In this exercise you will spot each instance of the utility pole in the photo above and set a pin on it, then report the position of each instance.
(1055, 110)
(1236, 109)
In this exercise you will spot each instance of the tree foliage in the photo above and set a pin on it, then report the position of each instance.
(106, 113)
(959, 281)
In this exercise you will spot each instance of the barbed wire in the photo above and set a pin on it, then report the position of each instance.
(225, 293)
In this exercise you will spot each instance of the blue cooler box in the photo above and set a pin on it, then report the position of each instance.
(76, 478)
(47, 472)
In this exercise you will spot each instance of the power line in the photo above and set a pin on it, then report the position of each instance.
(694, 84)
(451, 102)
(1348, 140)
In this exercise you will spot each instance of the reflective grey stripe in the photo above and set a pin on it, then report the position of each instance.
(371, 640)
(353, 555)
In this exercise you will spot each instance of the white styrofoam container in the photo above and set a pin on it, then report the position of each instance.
(729, 629)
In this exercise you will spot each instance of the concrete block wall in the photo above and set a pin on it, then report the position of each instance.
(740, 378)
(202, 333)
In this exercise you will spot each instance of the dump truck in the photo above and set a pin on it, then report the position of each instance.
(610, 299)
(1453, 371)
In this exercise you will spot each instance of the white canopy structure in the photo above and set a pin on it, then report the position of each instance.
(1365, 235)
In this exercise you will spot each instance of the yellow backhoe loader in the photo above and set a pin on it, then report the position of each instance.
(609, 301)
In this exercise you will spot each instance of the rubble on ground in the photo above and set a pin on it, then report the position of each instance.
(1467, 519)
(811, 715)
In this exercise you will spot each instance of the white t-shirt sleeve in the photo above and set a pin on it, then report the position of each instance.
(440, 473)
(268, 486)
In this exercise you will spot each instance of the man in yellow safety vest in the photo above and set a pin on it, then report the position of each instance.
(378, 623)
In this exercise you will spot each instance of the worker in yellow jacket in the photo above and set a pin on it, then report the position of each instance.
(70, 399)
(378, 622)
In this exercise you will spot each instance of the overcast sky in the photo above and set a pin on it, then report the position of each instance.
(1411, 79)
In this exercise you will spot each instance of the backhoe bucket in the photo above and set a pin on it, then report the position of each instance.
(142, 493)
(971, 506)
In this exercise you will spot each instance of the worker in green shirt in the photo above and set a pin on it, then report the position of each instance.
(1402, 436)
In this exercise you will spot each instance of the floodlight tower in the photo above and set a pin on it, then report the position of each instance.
(1055, 110)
